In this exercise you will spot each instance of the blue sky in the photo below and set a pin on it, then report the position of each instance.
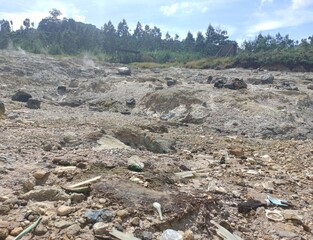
(243, 19)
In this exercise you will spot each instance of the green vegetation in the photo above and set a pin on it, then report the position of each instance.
(148, 48)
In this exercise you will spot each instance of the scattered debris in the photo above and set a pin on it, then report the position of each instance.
(28, 229)
(170, 234)
(122, 236)
(157, 206)
(85, 183)
(245, 207)
(274, 215)
(224, 233)
(275, 201)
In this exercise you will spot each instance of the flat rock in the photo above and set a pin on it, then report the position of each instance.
(65, 210)
(62, 224)
(39, 174)
(46, 194)
(100, 228)
(286, 234)
(73, 230)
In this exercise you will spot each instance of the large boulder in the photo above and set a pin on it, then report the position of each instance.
(265, 79)
(46, 194)
(21, 96)
(33, 103)
(235, 84)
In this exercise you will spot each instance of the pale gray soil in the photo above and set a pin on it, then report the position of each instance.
(264, 133)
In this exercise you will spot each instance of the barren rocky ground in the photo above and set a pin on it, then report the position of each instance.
(173, 136)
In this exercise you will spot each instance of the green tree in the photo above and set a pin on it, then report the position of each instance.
(54, 13)
(200, 42)
(5, 29)
(189, 42)
(123, 29)
(26, 23)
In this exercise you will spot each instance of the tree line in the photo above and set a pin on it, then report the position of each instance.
(66, 36)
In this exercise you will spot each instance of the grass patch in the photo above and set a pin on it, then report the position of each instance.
(211, 63)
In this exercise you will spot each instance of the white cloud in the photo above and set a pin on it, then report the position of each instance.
(293, 15)
(40, 9)
(297, 4)
(169, 9)
(192, 7)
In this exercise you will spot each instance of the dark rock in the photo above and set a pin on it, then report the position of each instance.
(210, 79)
(235, 84)
(71, 103)
(288, 86)
(102, 215)
(33, 103)
(2, 108)
(124, 71)
(219, 83)
(146, 235)
(21, 96)
(130, 102)
(170, 82)
(310, 86)
(227, 226)
(61, 90)
(249, 205)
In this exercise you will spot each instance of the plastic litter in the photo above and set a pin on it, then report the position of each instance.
(122, 236)
(224, 233)
(276, 201)
(134, 164)
(27, 230)
(170, 234)
(274, 215)
(158, 208)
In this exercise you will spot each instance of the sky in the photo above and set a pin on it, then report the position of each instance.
(242, 19)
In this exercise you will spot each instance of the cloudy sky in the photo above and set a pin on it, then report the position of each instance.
(243, 19)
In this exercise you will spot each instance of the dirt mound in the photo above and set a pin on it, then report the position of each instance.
(166, 100)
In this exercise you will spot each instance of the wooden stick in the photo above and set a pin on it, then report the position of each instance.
(92, 180)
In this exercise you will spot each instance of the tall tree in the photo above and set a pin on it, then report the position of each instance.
(26, 23)
(123, 29)
(200, 42)
(54, 13)
(189, 42)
